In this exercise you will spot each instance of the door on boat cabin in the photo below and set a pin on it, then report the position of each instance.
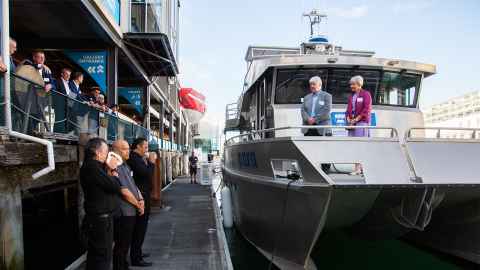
(264, 106)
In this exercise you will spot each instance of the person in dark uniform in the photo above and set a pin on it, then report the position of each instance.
(193, 166)
(142, 164)
(99, 182)
(131, 205)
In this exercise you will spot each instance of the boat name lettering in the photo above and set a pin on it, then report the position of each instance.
(247, 160)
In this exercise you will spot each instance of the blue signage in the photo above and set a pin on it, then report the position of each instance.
(247, 160)
(133, 95)
(113, 7)
(339, 119)
(94, 63)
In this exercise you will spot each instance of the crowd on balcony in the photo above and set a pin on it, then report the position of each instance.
(66, 89)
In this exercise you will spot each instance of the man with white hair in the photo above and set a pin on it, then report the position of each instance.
(316, 109)
(316, 112)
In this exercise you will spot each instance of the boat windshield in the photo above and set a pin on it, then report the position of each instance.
(387, 87)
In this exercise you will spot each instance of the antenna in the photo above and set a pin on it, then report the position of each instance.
(315, 18)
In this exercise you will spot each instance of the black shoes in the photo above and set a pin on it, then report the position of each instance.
(142, 263)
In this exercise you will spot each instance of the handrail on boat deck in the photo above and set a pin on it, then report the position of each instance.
(409, 132)
(251, 135)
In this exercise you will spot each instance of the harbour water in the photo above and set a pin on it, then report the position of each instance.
(339, 250)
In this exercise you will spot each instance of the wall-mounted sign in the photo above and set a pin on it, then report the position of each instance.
(94, 63)
(134, 96)
(113, 7)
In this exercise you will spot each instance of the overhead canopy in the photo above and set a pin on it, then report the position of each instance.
(56, 24)
(154, 53)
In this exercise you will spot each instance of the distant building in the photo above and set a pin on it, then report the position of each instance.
(458, 112)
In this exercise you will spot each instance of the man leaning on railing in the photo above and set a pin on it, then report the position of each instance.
(36, 102)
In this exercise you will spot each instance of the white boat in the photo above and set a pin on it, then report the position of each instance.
(417, 183)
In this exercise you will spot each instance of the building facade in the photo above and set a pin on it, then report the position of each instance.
(128, 49)
(458, 112)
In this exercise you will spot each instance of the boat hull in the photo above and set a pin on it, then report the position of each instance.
(284, 218)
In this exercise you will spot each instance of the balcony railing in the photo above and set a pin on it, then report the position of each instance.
(54, 114)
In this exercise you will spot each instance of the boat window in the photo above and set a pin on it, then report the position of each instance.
(387, 88)
(398, 89)
(292, 84)
(338, 83)
(286, 169)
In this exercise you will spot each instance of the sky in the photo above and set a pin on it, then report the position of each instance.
(215, 34)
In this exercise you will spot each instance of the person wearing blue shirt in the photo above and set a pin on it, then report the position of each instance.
(316, 112)
(316, 109)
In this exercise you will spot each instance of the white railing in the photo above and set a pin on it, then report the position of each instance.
(257, 134)
(437, 132)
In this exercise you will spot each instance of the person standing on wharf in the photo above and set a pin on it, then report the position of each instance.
(131, 205)
(142, 164)
(98, 178)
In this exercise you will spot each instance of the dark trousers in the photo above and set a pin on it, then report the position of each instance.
(123, 233)
(314, 132)
(100, 240)
(140, 230)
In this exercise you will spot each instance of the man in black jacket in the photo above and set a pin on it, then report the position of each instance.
(98, 178)
(142, 164)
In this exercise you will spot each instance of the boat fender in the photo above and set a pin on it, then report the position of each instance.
(227, 207)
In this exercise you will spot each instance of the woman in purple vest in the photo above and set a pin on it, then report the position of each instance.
(358, 112)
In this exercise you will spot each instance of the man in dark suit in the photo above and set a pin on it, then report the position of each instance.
(61, 102)
(38, 103)
(74, 84)
(143, 168)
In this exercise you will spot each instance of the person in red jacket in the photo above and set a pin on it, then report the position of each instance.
(358, 113)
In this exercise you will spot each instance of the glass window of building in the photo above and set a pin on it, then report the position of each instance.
(146, 15)
(137, 16)
(154, 15)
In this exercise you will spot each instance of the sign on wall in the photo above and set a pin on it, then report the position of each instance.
(133, 95)
(113, 8)
(94, 63)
